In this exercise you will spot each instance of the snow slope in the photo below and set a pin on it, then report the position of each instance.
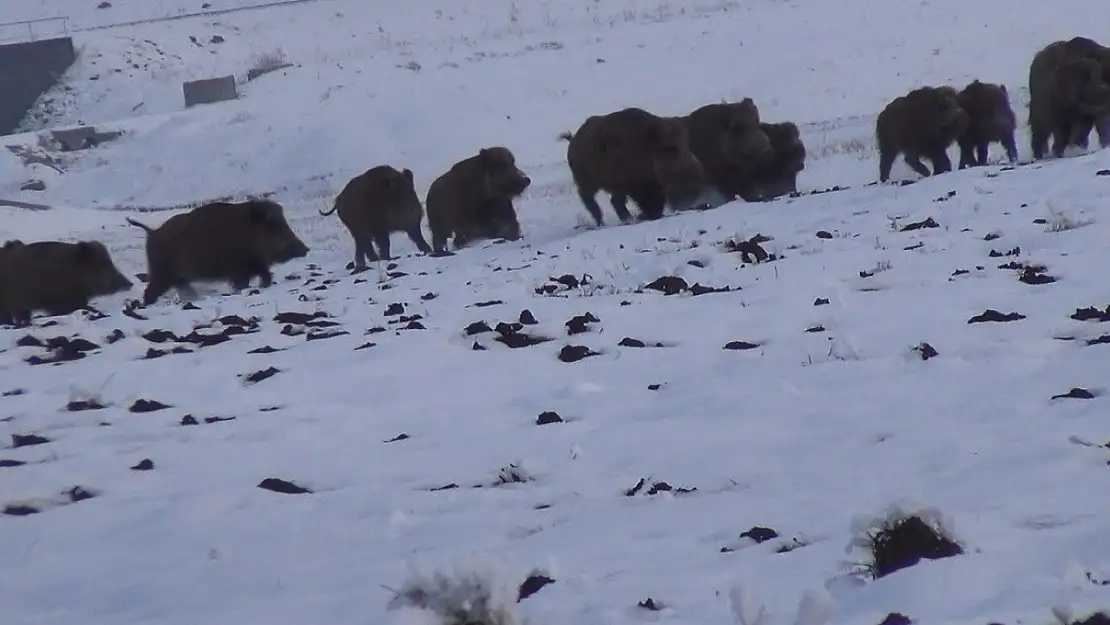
(830, 415)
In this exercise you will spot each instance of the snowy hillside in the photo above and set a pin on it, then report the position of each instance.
(859, 367)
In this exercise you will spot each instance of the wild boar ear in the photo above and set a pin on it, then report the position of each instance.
(1004, 91)
(485, 154)
(408, 174)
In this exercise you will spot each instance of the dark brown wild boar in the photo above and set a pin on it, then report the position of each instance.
(54, 276)
(1093, 104)
(990, 120)
(731, 145)
(1069, 94)
(233, 241)
(474, 200)
(376, 203)
(778, 175)
(1078, 101)
(632, 153)
(922, 123)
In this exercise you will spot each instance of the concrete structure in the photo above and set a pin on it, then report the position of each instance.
(27, 70)
(209, 90)
(81, 137)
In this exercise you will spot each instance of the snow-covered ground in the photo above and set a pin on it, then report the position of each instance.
(828, 415)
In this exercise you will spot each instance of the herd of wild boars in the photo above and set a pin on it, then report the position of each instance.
(728, 149)
(1069, 95)
(633, 153)
(725, 149)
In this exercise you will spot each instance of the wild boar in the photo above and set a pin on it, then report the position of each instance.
(233, 241)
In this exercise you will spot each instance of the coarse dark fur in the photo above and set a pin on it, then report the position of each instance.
(990, 120)
(474, 200)
(1079, 100)
(921, 124)
(498, 221)
(376, 203)
(233, 241)
(1069, 94)
(632, 153)
(54, 276)
(731, 145)
(778, 176)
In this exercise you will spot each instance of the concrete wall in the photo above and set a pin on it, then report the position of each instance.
(27, 69)
(209, 90)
